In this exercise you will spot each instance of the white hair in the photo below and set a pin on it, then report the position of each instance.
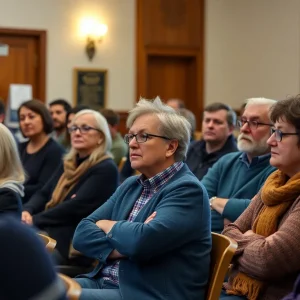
(101, 124)
(260, 101)
(172, 124)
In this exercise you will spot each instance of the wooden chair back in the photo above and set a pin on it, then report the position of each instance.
(72, 287)
(223, 249)
(48, 241)
(121, 163)
(197, 135)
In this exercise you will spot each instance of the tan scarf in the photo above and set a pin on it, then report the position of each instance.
(278, 194)
(70, 178)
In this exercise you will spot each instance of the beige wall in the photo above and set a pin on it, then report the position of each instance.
(65, 48)
(251, 49)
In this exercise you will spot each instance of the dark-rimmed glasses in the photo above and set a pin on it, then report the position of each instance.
(279, 134)
(82, 129)
(141, 137)
(251, 124)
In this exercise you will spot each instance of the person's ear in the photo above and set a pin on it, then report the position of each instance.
(171, 148)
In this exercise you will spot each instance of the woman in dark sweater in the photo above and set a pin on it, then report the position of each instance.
(85, 181)
(40, 155)
(11, 174)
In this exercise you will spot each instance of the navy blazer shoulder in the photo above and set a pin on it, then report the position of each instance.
(10, 202)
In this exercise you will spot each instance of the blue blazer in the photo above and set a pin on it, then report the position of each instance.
(167, 258)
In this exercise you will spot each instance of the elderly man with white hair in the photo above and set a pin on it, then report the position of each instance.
(237, 177)
(152, 237)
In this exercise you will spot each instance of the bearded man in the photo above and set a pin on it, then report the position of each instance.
(59, 109)
(237, 177)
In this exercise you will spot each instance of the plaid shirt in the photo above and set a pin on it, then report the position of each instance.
(150, 187)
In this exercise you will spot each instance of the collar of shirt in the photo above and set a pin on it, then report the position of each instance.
(156, 182)
(255, 160)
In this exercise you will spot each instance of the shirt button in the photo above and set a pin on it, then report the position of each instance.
(110, 235)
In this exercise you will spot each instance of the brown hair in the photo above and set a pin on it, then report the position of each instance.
(111, 116)
(288, 109)
(39, 108)
(231, 115)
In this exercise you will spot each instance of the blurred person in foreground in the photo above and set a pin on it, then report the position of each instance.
(26, 268)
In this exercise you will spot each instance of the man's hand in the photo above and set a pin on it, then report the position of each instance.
(150, 218)
(26, 217)
(218, 204)
(106, 225)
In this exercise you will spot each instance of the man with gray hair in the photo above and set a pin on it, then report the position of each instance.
(152, 237)
(237, 177)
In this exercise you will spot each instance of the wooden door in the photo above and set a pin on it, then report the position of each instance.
(25, 62)
(172, 77)
(170, 51)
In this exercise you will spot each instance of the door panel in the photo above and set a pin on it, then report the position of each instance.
(172, 77)
(170, 51)
(25, 62)
(19, 66)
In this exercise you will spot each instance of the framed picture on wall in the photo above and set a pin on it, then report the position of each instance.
(89, 87)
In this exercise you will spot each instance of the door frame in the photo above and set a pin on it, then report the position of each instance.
(41, 36)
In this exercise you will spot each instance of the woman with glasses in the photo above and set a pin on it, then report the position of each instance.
(266, 262)
(87, 178)
(40, 155)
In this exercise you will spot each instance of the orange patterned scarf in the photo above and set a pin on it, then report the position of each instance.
(278, 194)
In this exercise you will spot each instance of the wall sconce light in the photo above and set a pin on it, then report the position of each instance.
(94, 32)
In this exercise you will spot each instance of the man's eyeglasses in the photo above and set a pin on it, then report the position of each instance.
(141, 137)
(251, 124)
(279, 134)
(82, 129)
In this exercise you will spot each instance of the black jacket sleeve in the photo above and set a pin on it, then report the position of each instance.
(94, 188)
(51, 161)
(38, 201)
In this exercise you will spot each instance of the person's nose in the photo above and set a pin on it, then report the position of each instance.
(26, 120)
(245, 127)
(77, 131)
(272, 140)
(133, 143)
(211, 124)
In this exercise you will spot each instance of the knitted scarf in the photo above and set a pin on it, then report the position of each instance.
(278, 194)
(70, 178)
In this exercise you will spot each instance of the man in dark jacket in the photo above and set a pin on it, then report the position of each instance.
(217, 126)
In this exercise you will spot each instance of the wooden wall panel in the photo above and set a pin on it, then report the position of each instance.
(168, 77)
(170, 51)
(172, 23)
